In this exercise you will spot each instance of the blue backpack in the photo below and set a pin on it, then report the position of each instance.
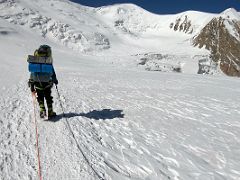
(40, 65)
(36, 65)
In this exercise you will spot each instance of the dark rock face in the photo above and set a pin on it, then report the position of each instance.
(182, 24)
(221, 36)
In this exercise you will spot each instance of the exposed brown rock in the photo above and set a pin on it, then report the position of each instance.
(223, 45)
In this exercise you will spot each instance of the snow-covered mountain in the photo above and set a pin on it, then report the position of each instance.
(51, 21)
(122, 122)
(221, 36)
(127, 28)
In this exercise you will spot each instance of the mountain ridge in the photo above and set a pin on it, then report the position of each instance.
(221, 36)
(88, 30)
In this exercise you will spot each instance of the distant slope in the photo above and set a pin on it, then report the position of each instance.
(111, 30)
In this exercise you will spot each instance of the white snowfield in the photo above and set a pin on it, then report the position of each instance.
(121, 122)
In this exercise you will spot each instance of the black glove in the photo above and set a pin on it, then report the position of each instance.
(56, 82)
(31, 85)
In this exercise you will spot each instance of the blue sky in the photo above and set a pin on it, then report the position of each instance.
(171, 6)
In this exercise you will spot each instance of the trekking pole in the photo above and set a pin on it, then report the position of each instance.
(60, 100)
(37, 141)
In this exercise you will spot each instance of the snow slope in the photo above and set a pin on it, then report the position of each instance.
(108, 31)
(121, 122)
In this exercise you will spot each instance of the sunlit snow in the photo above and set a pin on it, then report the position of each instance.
(121, 121)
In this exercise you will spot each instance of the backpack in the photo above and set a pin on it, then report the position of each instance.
(40, 64)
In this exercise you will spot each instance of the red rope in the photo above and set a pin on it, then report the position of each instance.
(36, 128)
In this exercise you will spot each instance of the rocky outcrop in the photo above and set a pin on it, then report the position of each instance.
(160, 62)
(182, 24)
(221, 36)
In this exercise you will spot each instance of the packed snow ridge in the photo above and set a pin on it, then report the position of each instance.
(231, 13)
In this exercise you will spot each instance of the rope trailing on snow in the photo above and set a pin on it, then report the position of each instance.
(74, 137)
(37, 141)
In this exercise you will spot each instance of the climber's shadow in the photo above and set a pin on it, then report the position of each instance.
(95, 114)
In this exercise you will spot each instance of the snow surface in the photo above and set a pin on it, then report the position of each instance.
(122, 122)
(231, 13)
